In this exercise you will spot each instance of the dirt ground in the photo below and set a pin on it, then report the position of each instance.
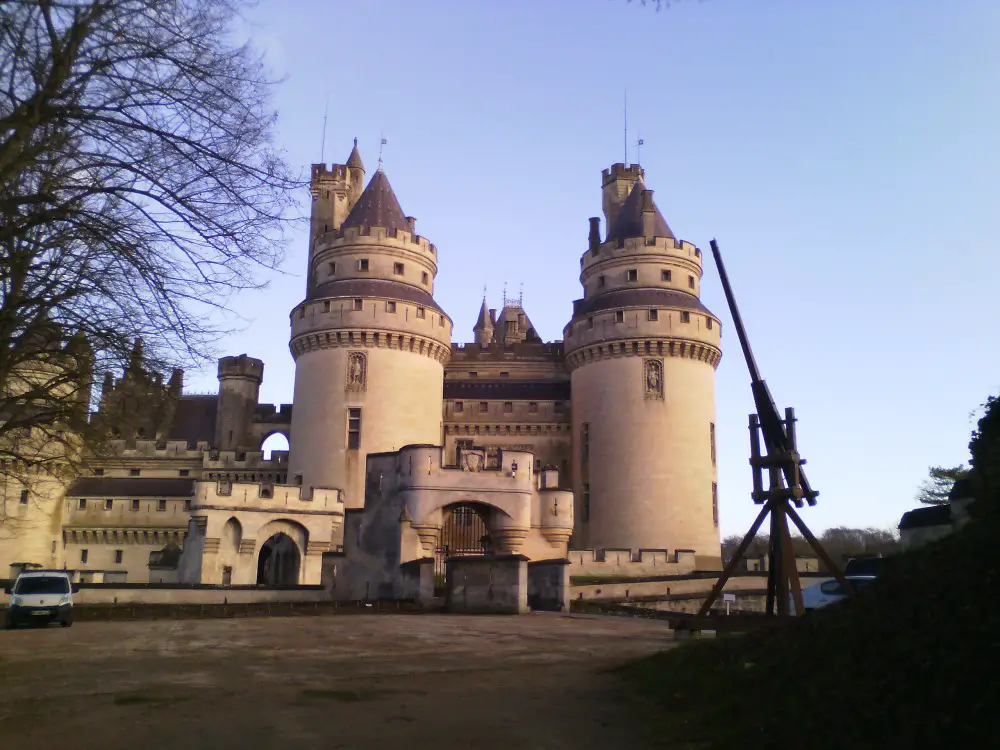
(362, 681)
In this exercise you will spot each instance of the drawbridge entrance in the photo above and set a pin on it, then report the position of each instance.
(464, 533)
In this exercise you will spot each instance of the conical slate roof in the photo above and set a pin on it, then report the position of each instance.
(354, 160)
(377, 207)
(628, 223)
(484, 318)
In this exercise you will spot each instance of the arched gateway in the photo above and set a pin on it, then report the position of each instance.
(464, 532)
(279, 562)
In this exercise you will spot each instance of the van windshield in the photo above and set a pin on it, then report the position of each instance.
(42, 585)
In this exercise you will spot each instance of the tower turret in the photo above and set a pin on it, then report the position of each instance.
(483, 329)
(642, 351)
(369, 343)
(335, 191)
(239, 387)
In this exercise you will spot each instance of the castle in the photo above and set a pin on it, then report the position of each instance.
(403, 445)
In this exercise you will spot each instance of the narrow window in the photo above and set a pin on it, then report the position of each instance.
(459, 407)
(98, 472)
(708, 323)
(690, 282)
(715, 503)
(134, 505)
(664, 275)
(359, 305)
(600, 281)
(508, 407)
(425, 277)
(82, 503)
(504, 374)
(390, 306)
(590, 322)
(302, 313)
(632, 274)
(187, 503)
(685, 317)
(118, 556)
(473, 374)
(711, 438)
(421, 312)
(161, 505)
(619, 316)
(397, 268)
(83, 555)
(184, 472)
(586, 502)
(585, 443)
(332, 269)
(353, 429)
(533, 407)
(24, 497)
(363, 264)
(133, 472)
(109, 504)
(653, 314)
(441, 321)
(483, 407)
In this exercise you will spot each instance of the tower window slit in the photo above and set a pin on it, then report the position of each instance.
(353, 428)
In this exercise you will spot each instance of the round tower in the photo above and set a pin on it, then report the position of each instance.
(239, 388)
(369, 343)
(642, 351)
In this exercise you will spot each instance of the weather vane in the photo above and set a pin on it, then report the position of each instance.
(638, 150)
(380, 146)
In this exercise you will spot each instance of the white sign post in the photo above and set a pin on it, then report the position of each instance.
(728, 599)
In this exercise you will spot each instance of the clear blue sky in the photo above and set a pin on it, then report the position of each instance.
(845, 155)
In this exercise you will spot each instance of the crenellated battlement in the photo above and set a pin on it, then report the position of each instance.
(621, 171)
(473, 351)
(272, 413)
(241, 366)
(266, 496)
(374, 236)
(320, 172)
(642, 247)
(615, 563)
(175, 449)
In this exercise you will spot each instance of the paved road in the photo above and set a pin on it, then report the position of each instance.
(360, 681)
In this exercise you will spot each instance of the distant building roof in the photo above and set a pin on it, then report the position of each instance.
(378, 207)
(131, 487)
(512, 390)
(961, 490)
(628, 222)
(921, 518)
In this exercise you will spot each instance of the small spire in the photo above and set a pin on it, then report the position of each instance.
(354, 160)
(483, 322)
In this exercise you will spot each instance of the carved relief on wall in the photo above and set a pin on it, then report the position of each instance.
(357, 371)
(652, 375)
(473, 460)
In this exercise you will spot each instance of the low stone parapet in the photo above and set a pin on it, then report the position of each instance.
(487, 585)
(628, 563)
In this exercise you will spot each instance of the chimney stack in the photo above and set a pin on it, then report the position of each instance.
(595, 234)
(648, 214)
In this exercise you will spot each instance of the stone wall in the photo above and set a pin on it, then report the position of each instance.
(627, 563)
(488, 585)
(108, 594)
(548, 585)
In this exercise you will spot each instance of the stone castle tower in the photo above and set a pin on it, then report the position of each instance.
(369, 341)
(642, 351)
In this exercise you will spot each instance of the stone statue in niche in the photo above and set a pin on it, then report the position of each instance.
(653, 376)
(357, 371)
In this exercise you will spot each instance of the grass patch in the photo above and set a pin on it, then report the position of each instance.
(909, 663)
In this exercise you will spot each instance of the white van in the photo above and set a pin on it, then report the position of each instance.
(39, 597)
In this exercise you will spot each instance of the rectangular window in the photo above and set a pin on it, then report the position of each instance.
(134, 505)
(83, 555)
(632, 274)
(363, 264)
(332, 268)
(533, 407)
(359, 305)
(390, 306)
(600, 281)
(109, 504)
(133, 472)
(473, 374)
(508, 407)
(353, 429)
(586, 502)
(425, 277)
(590, 322)
(24, 497)
(585, 443)
(619, 316)
(711, 439)
(118, 556)
(504, 374)
(82, 503)
(161, 506)
(187, 504)
(690, 282)
(326, 305)
(98, 472)
(441, 321)
(483, 407)
(685, 317)
(184, 472)
(664, 275)
(652, 314)
(421, 312)
(715, 503)
(708, 323)
(397, 268)
(459, 407)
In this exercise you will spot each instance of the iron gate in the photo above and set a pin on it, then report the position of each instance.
(464, 533)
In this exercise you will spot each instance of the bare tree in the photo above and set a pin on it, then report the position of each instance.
(139, 188)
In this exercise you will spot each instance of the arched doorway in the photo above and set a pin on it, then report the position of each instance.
(464, 532)
(278, 562)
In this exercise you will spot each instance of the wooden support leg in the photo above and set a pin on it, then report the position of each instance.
(731, 567)
(821, 553)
